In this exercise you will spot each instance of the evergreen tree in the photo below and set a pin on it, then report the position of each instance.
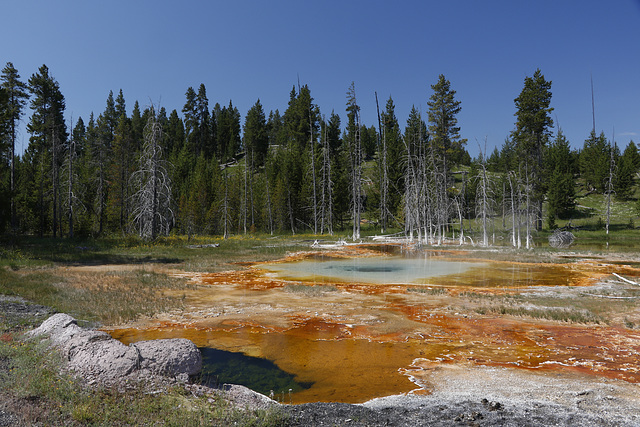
(120, 106)
(444, 132)
(369, 141)
(533, 124)
(191, 125)
(174, 134)
(256, 138)
(353, 143)
(16, 95)
(395, 152)
(204, 138)
(594, 162)
(627, 167)
(137, 127)
(561, 185)
(228, 131)
(121, 167)
(6, 199)
(275, 129)
(48, 134)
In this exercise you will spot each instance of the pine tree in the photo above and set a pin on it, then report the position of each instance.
(561, 185)
(205, 134)
(594, 162)
(16, 93)
(533, 124)
(256, 138)
(394, 158)
(48, 134)
(121, 167)
(627, 167)
(444, 131)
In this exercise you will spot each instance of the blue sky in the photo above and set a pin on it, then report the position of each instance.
(245, 50)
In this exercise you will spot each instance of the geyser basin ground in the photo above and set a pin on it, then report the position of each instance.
(350, 341)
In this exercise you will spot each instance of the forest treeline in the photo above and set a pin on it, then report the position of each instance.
(209, 170)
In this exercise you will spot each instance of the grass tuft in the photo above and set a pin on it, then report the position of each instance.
(310, 290)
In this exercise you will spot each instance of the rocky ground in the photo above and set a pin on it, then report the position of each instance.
(464, 396)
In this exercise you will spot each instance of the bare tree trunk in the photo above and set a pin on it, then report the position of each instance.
(326, 197)
(244, 200)
(13, 174)
(153, 214)
(70, 196)
(291, 222)
(54, 173)
(384, 173)
(313, 175)
(356, 180)
(610, 186)
(226, 205)
(251, 206)
(484, 197)
(528, 208)
(514, 241)
(266, 178)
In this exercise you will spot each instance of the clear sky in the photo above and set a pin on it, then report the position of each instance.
(245, 50)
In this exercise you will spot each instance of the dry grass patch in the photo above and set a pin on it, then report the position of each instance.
(114, 297)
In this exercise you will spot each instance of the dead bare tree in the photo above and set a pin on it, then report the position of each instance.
(312, 147)
(326, 186)
(515, 232)
(355, 157)
(383, 170)
(483, 204)
(610, 182)
(152, 211)
(225, 207)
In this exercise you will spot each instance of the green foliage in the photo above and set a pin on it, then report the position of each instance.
(561, 184)
(443, 124)
(595, 160)
(627, 167)
(533, 110)
(256, 138)
(85, 187)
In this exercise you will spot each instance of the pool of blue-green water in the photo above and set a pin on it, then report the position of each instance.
(376, 269)
(221, 367)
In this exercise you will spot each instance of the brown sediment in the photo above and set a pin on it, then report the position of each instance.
(357, 341)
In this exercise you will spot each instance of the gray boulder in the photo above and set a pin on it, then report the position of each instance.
(53, 325)
(103, 358)
(169, 356)
(94, 355)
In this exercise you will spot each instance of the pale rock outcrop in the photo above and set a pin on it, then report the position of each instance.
(96, 356)
(169, 356)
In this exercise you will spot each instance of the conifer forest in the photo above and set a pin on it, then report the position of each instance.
(205, 168)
